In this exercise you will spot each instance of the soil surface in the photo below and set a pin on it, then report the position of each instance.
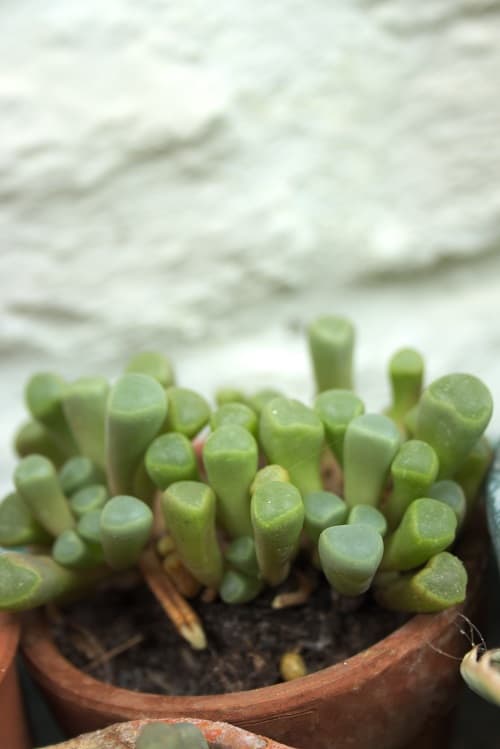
(245, 642)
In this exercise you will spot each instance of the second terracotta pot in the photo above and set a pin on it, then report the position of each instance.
(123, 736)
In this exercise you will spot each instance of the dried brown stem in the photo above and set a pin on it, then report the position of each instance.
(110, 654)
(178, 610)
(306, 585)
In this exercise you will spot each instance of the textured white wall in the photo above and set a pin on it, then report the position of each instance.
(205, 178)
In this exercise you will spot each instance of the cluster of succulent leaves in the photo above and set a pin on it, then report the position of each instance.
(99, 463)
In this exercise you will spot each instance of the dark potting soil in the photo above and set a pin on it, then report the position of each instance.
(245, 642)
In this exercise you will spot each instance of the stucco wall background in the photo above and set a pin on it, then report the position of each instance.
(207, 178)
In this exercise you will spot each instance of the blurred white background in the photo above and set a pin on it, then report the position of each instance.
(206, 178)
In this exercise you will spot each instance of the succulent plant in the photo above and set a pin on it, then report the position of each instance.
(120, 476)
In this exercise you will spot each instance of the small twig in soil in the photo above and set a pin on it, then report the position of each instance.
(178, 610)
(295, 597)
(110, 654)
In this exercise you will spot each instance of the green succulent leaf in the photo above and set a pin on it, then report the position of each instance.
(28, 581)
(336, 409)
(230, 456)
(406, 373)
(368, 515)
(453, 413)
(453, 495)
(277, 513)
(70, 550)
(171, 458)
(18, 526)
(84, 405)
(322, 510)
(189, 509)
(236, 587)
(413, 471)
(77, 473)
(292, 435)
(126, 523)
(33, 438)
(136, 412)
(92, 497)
(44, 395)
(331, 345)
(437, 586)
(235, 413)
(427, 528)
(188, 412)
(241, 555)
(371, 443)
(154, 364)
(36, 481)
(350, 556)
(173, 736)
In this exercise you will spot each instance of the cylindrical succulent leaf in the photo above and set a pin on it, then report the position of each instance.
(236, 587)
(77, 473)
(241, 555)
(230, 457)
(440, 584)
(154, 364)
(33, 438)
(28, 581)
(89, 527)
(292, 435)
(84, 405)
(136, 412)
(173, 736)
(410, 421)
(427, 528)
(453, 495)
(235, 413)
(271, 472)
(258, 400)
(70, 550)
(331, 344)
(368, 515)
(413, 471)
(336, 409)
(229, 395)
(370, 445)
(277, 513)
(18, 526)
(44, 395)
(189, 510)
(473, 470)
(322, 510)
(350, 556)
(453, 413)
(406, 374)
(92, 497)
(171, 458)
(126, 523)
(36, 481)
(188, 412)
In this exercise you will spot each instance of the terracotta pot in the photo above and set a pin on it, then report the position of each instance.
(13, 729)
(123, 736)
(397, 693)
